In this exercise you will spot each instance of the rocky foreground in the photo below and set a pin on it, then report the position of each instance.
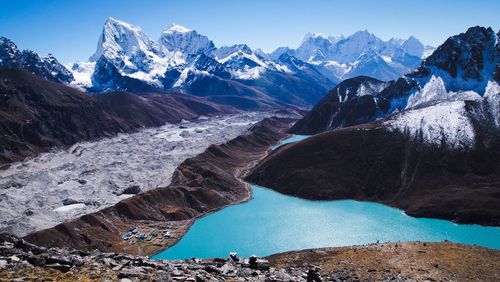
(22, 261)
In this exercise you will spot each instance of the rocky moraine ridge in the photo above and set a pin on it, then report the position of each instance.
(416, 261)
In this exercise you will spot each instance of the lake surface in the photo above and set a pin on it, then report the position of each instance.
(272, 222)
(294, 138)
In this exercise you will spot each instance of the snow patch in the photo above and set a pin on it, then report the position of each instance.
(249, 73)
(492, 88)
(69, 207)
(82, 73)
(176, 28)
(444, 123)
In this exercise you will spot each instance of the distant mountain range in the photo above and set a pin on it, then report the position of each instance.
(361, 53)
(464, 67)
(182, 60)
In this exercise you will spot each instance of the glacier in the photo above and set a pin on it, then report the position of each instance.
(64, 184)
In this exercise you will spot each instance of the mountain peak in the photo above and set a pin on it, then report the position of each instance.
(335, 38)
(468, 58)
(177, 38)
(113, 23)
(413, 46)
(175, 28)
(362, 34)
(313, 35)
(119, 37)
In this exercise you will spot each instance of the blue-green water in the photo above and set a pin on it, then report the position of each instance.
(272, 223)
(294, 138)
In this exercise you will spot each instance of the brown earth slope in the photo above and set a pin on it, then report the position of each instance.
(370, 163)
(37, 115)
(199, 185)
(411, 261)
(154, 109)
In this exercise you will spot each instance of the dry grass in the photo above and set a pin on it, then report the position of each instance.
(413, 261)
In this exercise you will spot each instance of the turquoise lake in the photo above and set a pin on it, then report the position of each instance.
(294, 138)
(272, 222)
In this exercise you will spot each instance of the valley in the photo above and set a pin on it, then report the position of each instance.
(90, 176)
(180, 156)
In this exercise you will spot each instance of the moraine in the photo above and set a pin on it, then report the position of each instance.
(62, 185)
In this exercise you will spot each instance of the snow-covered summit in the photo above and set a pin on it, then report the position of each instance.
(465, 62)
(413, 46)
(175, 28)
(182, 60)
(127, 45)
(177, 38)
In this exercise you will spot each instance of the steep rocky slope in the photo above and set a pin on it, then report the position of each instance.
(200, 184)
(37, 115)
(349, 103)
(154, 109)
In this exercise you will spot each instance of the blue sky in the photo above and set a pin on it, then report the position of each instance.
(70, 29)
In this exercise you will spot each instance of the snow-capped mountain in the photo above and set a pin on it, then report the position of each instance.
(188, 42)
(126, 57)
(184, 61)
(361, 53)
(47, 67)
(466, 67)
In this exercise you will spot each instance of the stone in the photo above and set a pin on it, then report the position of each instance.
(211, 269)
(234, 256)
(3, 263)
(28, 212)
(61, 267)
(69, 201)
(226, 268)
(131, 272)
(252, 261)
(134, 189)
(313, 276)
